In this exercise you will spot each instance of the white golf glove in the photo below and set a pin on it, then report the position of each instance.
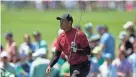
(73, 46)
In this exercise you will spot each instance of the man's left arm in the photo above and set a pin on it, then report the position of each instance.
(84, 51)
(83, 48)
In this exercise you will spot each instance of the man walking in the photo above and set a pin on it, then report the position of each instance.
(77, 55)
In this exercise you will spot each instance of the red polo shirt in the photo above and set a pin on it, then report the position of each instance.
(64, 41)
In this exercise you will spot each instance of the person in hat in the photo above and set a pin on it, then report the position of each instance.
(107, 41)
(39, 43)
(107, 69)
(125, 43)
(7, 66)
(129, 26)
(76, 51)
(11, 47)
(96, 61)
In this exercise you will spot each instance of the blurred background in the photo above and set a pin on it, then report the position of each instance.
(33, 18)
(22, 17)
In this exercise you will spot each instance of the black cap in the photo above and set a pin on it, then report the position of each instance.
(66, 16)
(8, 34)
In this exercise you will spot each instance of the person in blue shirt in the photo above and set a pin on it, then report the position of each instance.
(40, 45)
(107, 41)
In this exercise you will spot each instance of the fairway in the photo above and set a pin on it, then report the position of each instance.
(28, 21)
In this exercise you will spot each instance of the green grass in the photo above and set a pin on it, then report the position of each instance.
(27, 21)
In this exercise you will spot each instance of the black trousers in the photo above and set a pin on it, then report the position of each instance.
(80, 70)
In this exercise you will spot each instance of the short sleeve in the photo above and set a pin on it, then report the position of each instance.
(104, 39)
(58, 45)
(83, 40)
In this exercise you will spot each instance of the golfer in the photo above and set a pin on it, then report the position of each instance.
(77, 55)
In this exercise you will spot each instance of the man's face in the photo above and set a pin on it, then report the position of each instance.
(64, 24)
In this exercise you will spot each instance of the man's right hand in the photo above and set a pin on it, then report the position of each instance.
(48, 70)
